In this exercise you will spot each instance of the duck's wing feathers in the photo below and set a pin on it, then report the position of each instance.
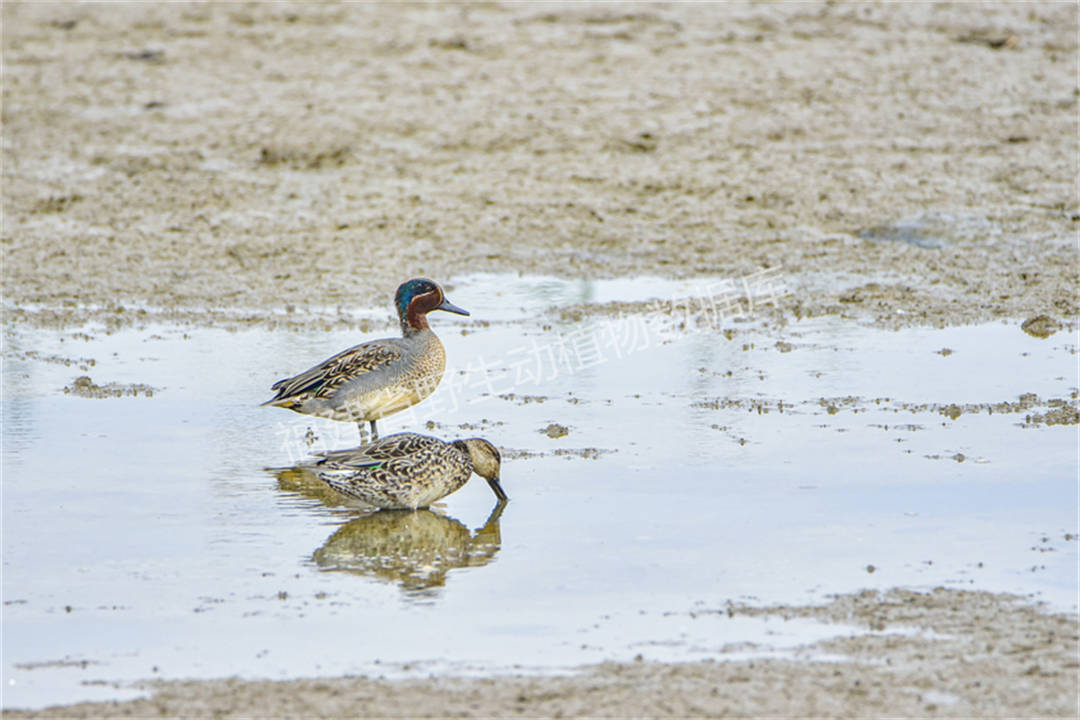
(326, 377)
(409, 481)
(391, 447)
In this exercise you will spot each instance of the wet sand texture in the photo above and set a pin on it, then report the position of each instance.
(990, 656)
(268, 163)
(910, 163)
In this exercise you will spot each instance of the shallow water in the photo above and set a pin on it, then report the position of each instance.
(164, 537)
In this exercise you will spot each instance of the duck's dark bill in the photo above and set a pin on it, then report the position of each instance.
(497, 488)
(451, 307)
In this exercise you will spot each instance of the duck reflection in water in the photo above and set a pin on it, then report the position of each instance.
(414, 548)
(403, 474)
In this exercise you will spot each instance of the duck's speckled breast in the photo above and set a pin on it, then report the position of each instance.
(427, 366)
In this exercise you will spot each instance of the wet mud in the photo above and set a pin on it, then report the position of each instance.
(1059, 411)
(945, 653)
(84, 386)
(264, 165)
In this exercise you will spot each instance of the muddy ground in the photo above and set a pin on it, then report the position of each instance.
(947, 653)
(901, 164)
(273, 163)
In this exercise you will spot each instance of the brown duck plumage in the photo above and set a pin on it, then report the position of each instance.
(377, 378)
(408, 470)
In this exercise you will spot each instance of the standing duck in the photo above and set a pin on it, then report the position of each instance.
(379, 377)
(408, 471)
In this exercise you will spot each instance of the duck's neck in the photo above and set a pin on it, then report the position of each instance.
(413, 325)
(414, 319)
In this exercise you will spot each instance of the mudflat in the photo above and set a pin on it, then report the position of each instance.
(990, 656)
(265, 164)
(914, 164)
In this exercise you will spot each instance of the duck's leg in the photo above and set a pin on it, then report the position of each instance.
(374, 432)
(363, 432)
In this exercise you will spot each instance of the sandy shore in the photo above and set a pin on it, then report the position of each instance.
(941, 654)
(899, 163)
(271, 163)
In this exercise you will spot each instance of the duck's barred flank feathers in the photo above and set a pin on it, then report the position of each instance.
(322, 380)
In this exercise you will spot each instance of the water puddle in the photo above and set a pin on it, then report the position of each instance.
(655, 468)
(933, 230)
